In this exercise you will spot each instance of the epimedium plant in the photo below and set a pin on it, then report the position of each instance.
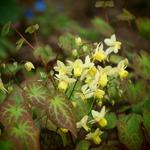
(81, 102)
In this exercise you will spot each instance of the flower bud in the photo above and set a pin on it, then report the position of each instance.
(29, 66)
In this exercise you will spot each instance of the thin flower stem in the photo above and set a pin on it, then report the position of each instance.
(94, 102)
(73, 89)
(22, 37)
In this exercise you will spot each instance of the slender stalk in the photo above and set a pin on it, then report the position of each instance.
(22, 37)
(73, 89)
(94, 102)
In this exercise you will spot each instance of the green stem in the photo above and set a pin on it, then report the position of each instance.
(73, 89)
(94, 102)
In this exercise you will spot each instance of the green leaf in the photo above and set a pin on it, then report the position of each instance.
(82, 107)
(19, 43)
(19, 126)
(111, 119)
(146, 122)
(36, 94)
(83, 145)
(5, 29)
(102, 27)
(143, 26)
(43, 53)
(32, 29)
(67, 42)
(129, 131)
(5, 145)
(60, 112)
(9, 11)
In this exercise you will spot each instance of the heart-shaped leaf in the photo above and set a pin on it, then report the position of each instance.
(129, 131)
(60, 112)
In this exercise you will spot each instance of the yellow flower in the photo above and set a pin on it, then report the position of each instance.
(94, 136)
(123, 74)
(90, 74)
(29, 66)
(62, 69)
(77, 67)
(121, 68)
(99, 94)
(113, 44)
(99, 54)
(86, 92)
(99, 117)
(62, 85)
(64, 130)
(64, 82)
(83, 123)
(2, 88)
(89, 70)
(103, 80)
(103, 122)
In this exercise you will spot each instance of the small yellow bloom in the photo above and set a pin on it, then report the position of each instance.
(94, 136)
(63, 85)
(99, 94)
(77, 68)
(103, 80)
(62, 69)
(99, 117)
(113, 44)
(123, 74)
(121, 68)
(99, 54)
(64, 130)
(83, 123)
(90, 74)
(102, 122)
(86, 92)
(64, 82)
(29, 66)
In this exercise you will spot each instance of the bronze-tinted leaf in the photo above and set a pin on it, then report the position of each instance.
(60, 112)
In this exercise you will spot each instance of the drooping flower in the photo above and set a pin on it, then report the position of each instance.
(99, 53)
(99, 117)
(29, 66)
(83, 123)
(102, 75)
(62, 68)
(88, 63)
(64, 82)
(121, 68)
(86, 92)
(99, 94)
(113, 44)
(77, 67)
(94, 136)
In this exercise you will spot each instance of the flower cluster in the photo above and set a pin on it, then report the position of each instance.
(93, 77)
